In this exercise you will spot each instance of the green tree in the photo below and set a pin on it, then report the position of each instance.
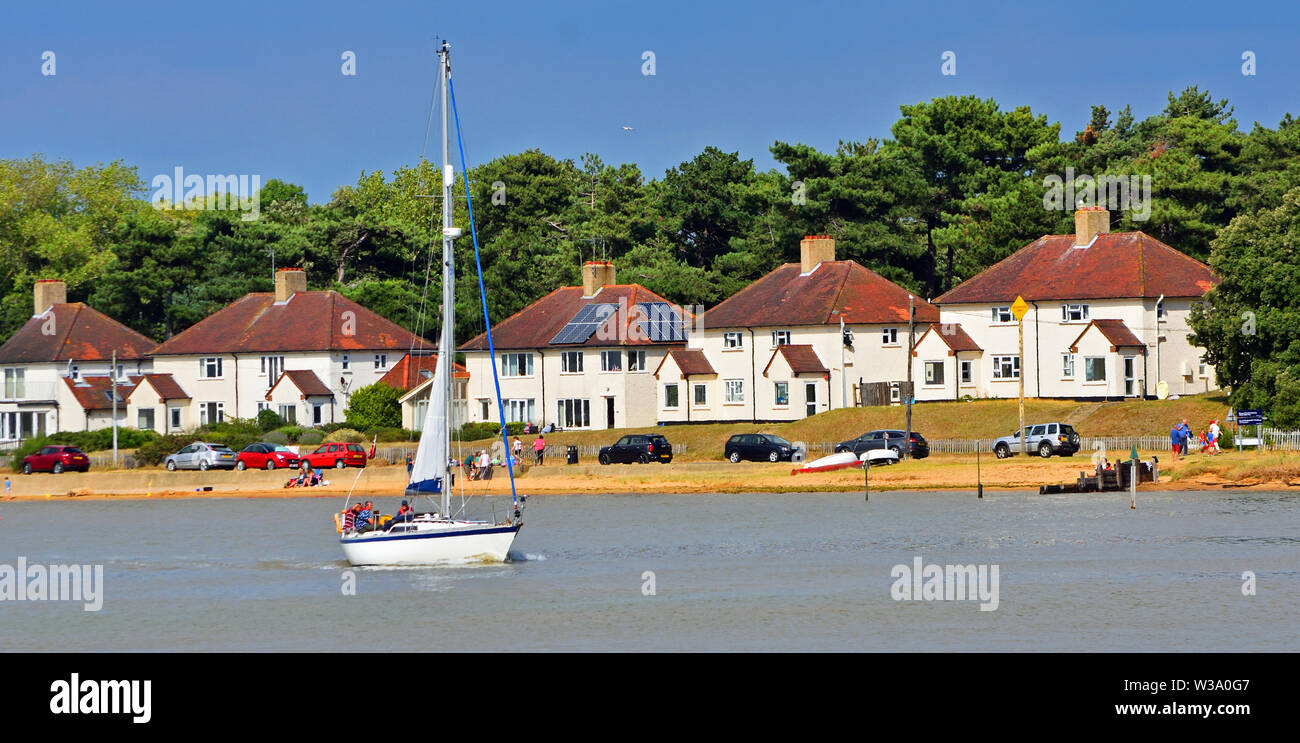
(374, 406)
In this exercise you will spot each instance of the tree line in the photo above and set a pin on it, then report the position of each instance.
(957, 185)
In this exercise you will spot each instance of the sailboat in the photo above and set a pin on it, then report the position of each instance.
(438, 537)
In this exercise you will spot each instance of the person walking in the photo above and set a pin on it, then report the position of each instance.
(1176, 439)
(410, 465)
(518, 448)
(1214, 437)
(539, 446)
(1186, 438)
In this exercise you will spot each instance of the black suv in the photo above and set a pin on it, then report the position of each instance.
(758, 447)
(639, 447)
(886, 439)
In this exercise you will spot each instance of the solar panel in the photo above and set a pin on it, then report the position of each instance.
(584, 323)
(662, 322)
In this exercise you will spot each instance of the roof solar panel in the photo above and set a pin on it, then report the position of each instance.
(662, 323)
(584, 323)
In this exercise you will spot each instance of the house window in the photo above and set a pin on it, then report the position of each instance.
(144, 420)
(517, 365)
(670, 395)
(271, 368)
(1067, 365)
(211, 412)
(175, 414)
(1006, 367)
(15, 387)
(966, 372)
(210, 367)
(934, 372)
(1003, 315)
(289, 413)
(381, 361)
(346, 360)
(636, 361)
(519, 411)
(486, 410)
(1074, 312)
(780, 338)
(1202, 369)
(1160, 311)
(574, 413)
(263, 406)
(611, 361)
(733, 340)
(571, 362)
(317, 414)
(735, 391)
(889, 336)
(782, 393)
(1094, 368)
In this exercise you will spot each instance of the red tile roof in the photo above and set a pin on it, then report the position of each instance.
(305, 380)
(1117, 265)
(690, 362)
(94, 393)
(952, 334)
(79, 333)
(1114, 331)
(309, 321)
(166, 387)
(833, 290)
(535, 325)
(802, 360)
(411, 371)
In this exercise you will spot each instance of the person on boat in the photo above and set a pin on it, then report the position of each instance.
(539, 446)
(350, 517)
(365, 517)
(404, 514)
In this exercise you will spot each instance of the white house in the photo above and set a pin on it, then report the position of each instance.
(1107, 318)
(580, 357)
(413, 377)
(56, 369)
(293, 351)
(774, 351)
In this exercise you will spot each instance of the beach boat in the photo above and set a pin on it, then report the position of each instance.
(846, 459)
(439, 536)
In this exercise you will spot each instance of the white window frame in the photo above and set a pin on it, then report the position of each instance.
(931, 365)
(203, 412)
(288, 412)
(1013, 360)
(381, 362)
(346, 361)
(776, 394)
(695, 399)
(567, 361)
(636, 361)
(607, 356)
(1088, 367)
(175, 416)
(1067, 366)
(1202, 369)
(15, 384)
(520, 409)
(1162, 314)
(139, 416)
(780, 338)
(733, 340)
(571, 409)
(517, 365)
(966, 371)
(889, 336)
(1074, 313)
(676, 393)
(1003, 316)
(733, 392)
(206, 367)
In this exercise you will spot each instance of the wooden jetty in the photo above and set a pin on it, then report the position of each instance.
(1107, 480)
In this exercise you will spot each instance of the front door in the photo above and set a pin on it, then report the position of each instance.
(810, 398)
(1129, 375)
(609, 412)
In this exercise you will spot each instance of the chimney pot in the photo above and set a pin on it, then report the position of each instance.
(49, 292)
(1090, 222)
(596, 274)
(289, 281)
(815, 249)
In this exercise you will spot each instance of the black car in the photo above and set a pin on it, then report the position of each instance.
(758, 447)
(641, 448)
(886, 439)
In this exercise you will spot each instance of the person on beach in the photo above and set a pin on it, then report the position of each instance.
(9, 486)
(1176, 439)
(518, 449)
(539, 446)
(410, 465)
(1214, 437)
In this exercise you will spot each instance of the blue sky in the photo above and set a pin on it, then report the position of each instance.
(247, 87)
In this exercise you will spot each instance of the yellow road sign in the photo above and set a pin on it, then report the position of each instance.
(1019, 308)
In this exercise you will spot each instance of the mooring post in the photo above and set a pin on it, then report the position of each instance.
(979, 479)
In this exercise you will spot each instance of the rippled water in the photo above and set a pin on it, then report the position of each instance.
(731, 572)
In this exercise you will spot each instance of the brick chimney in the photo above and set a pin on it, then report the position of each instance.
(815, 249)
(596, 274)
(49, 292)
(1089, 222)
(288, 281)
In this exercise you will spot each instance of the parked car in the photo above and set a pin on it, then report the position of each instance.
(201, 455)
(641, 448)
(758, 447)
(1044, 438)
(266, 456)
(337, 455)
(891, 439)
(56, 459)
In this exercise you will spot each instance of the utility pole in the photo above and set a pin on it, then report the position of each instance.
(911, 328)
(1018, 309)
(112, 375)
(844, 380)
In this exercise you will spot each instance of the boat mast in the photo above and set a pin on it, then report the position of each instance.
(446, 343)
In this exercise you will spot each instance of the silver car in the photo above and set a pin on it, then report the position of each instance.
(1045, 439)
(201, 456)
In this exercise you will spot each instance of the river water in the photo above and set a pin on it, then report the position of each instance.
(764, 572)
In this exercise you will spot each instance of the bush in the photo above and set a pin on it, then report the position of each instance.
(374, 406)
(478, 431)
(276, 437)
(292, 432)
(102, 439)
(347, 436)
(390, 435)
(30, 446)
(269, 420)
(154, 452)
(234, 432)
(311, 438)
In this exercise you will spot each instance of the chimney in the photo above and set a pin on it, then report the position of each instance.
(815, 249)
(596, 274)
(289, 281)
(1089, 222)
(49, 292)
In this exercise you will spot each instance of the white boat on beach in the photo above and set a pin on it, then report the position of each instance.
(437, 536)
(846, 459)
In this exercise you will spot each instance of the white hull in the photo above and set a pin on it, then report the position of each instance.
(429, 543)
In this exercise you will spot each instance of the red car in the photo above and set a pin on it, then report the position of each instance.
(56, 459)
(266, 456)
(337, 455)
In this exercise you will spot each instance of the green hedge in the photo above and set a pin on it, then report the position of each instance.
(487, 430)
(310, 438)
